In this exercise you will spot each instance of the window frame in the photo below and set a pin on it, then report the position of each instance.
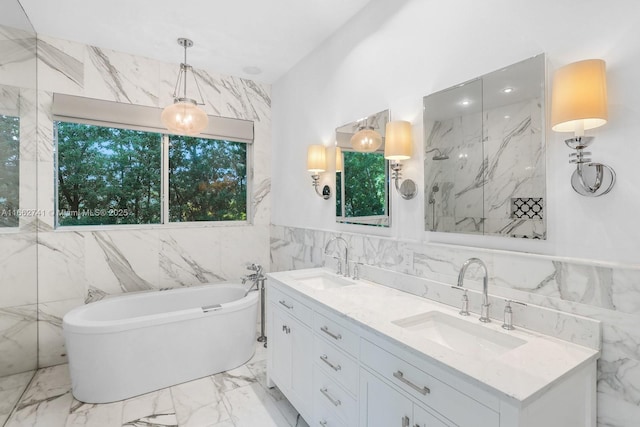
(164, 180)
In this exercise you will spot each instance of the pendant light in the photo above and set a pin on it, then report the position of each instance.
(184, 116)
(366, 140)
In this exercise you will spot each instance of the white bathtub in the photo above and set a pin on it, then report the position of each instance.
(133, 344)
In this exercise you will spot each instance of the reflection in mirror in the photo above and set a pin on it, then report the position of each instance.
(484, 154)
(362, 183)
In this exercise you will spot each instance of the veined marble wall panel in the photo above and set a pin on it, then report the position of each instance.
(605, 292)
(88, 264)
(17, 259)
(18, 339)
(17, 57)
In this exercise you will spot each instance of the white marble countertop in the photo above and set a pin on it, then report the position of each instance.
(520, 374)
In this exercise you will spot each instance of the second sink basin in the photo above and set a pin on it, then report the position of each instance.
(323, 281)
(466, 338)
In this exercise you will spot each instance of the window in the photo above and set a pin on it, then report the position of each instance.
(111, 175)
(207, 180)
(9, 170)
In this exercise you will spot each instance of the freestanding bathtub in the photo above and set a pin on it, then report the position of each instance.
(130, 345)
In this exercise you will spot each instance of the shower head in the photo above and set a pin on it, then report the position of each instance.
(438, 155)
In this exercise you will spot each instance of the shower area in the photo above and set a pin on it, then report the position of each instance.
(19, 216)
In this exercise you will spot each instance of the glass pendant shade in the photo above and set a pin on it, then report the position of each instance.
(579, 98)
(184, 117)
(366, 140)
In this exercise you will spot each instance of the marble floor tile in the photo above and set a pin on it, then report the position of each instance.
(230, 380)
(198, 403)
(87, 415)
(151, 409)
(252, 406)
(236, 398)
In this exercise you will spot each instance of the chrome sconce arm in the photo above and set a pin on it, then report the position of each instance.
(590, 178)
(326, 190)
(408, 189)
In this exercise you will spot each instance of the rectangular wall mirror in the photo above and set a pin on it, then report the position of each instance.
(485, 154)
(362, 177)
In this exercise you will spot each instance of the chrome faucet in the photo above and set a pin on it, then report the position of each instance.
(484, 313)
(346, 252)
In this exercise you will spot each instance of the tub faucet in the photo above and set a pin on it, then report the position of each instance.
(484, 313)
(258, 279)
(346, 252)
(253, 277)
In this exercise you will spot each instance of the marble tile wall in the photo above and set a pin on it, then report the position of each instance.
(471, 191)
(18, 251)
(601, 291)
(85, 264)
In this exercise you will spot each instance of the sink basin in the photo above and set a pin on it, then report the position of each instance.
(466, 338)
(323, 281)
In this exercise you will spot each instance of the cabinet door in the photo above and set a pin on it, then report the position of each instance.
(422, 418)
(280, 343)
(383, 406)
(301, 363)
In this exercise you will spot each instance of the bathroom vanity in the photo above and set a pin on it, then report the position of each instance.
(353, 353)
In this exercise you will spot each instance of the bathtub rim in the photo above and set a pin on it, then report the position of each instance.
(74, 323)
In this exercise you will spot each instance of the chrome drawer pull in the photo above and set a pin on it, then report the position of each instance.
(323, 423)
(283, 302)
(423, 390)
(331, 334)
(405, 421)
(331, 365)
(335, 402)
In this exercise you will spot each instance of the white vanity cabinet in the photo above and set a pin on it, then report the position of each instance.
(383, 406)
(290, 349)
(341, 372)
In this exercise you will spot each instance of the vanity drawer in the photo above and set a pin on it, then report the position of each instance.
(336, 364)
(335, 333)
(291, 305)
(326, 417)
(333, 400)
(454, 405)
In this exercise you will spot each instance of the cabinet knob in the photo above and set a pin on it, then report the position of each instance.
(405, 421)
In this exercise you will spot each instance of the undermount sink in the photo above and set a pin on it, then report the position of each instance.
(474, 340)
(323, 281)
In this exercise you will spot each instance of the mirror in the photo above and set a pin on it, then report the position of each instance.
(362, 184)
(485, 154)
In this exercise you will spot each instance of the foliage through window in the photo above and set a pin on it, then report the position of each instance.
(9, 170)
(108, 175)
(207, 180)
(364, 183)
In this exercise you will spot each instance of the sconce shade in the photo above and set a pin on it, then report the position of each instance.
(579, 97)
(316, 158)
(366, 140)
(339, 165)
(398, 143)
(184, 117)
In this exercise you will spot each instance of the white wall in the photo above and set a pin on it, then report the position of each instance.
(394, 53)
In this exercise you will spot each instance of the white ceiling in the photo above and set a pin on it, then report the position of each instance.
(229, 35)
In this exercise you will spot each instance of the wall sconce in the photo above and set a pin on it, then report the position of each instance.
(339, 160)
(579, 103)
(316, 163)
(398, 145)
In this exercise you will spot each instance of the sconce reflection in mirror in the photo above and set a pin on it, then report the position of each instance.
(579, 103)
(399, 146)
(317, 163)
(367, 139)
